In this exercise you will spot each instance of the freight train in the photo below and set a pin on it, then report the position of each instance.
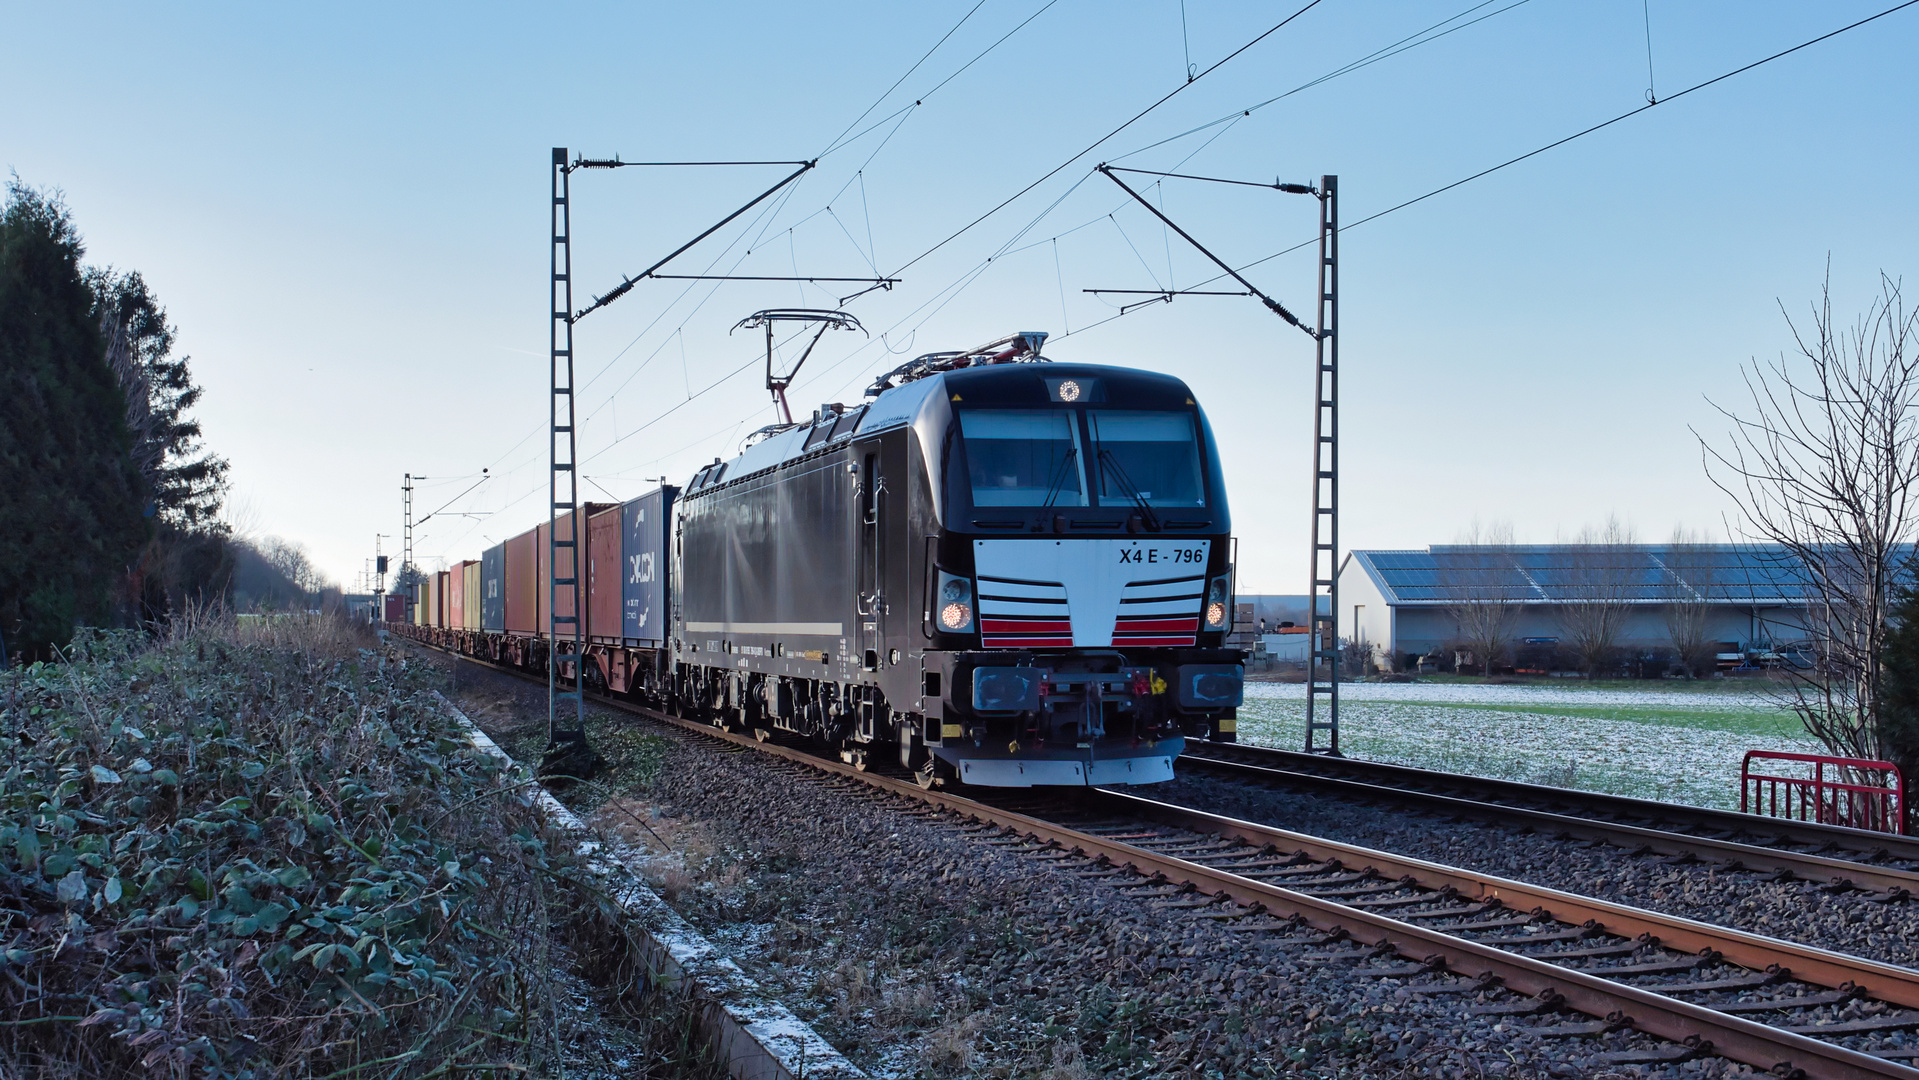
(1006, 571)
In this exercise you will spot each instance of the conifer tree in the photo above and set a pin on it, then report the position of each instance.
(71, 504)
(184, 481)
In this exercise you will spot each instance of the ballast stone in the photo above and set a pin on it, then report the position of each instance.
(759, 1037)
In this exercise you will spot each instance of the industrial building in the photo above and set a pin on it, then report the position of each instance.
(1273, 626)
(1408, 604)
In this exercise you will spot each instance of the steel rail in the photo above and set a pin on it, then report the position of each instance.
(1730, 1036)
(1405, 777)
(1723, 1034)
(1731, 853)
(1885, 982)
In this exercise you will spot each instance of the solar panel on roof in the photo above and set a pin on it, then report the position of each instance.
(1720, 573)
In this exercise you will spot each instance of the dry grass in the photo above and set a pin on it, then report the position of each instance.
(950, 1047)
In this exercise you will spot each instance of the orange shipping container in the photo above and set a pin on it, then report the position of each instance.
(562, 564)
(524, 561)
(604, 534)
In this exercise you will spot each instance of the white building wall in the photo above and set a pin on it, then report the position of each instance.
(1364, 614)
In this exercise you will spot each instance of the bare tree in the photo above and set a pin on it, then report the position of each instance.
(1824, 465)
(1688, 606)
(292, 561)
(1484, 590)
(1601, 569)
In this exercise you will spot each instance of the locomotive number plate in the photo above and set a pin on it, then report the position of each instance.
(1143, 554)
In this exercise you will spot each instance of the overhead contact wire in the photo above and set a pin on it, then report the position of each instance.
(1311, 4)
(1628, 114)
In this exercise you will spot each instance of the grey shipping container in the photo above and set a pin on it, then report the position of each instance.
(493, 588)
(643, 563)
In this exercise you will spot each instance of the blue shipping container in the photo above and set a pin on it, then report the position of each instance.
(643, 564)
(493, 589)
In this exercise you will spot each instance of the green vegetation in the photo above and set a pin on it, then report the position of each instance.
(264, 849)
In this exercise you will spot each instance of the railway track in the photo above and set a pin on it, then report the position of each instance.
(1704, 989)
(1839, 858)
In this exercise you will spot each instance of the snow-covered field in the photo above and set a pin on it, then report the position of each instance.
(1516, 695)
(1674, 746)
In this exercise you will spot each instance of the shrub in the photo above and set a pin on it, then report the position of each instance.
(262, 851)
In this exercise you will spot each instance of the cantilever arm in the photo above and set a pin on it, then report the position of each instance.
(1273, 305)
(626, 283)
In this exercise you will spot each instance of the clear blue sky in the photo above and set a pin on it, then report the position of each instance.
(344, 209)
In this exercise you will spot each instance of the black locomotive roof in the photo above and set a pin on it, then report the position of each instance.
(1012, 384)
(1028, 384)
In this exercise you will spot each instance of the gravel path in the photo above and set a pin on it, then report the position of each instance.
(1795, 911)
(920, 947)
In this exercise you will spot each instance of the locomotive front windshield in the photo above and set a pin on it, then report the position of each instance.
(1149, 457)
(1023, 457)
(1043, 457)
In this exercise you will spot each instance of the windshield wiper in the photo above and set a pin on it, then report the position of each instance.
(1108, 461)
(1059, 476)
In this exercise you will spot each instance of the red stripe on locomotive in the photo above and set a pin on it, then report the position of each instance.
(1142, 625)
(1026, 626)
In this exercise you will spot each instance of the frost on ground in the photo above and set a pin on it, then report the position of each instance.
(1683, 747)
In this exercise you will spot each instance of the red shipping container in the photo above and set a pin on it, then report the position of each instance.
(395, 608)
(523, 562)
(562, 566)
(543, 586)
(605, 534)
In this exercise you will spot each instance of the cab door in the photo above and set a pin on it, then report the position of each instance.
(870, 507)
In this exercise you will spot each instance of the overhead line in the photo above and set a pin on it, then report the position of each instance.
(616, 163)
(837, 143)
(1385, 52)
(1576, 135)
(1097, 142)
(834, 145)
(1634, 112)
(483, 479)
(1276, 185)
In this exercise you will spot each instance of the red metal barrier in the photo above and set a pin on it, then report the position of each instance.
(1833, 794)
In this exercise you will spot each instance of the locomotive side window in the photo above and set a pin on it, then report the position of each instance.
(1023, 457)
(1153, 455)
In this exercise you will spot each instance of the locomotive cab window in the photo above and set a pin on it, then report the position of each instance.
(1150, 457)
(1023, 457)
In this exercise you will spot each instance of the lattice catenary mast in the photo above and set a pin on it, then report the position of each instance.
(563, 577)
(1322, 656)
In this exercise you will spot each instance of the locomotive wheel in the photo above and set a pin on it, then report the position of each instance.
(855, 757)
(927, 775)
(762, 734)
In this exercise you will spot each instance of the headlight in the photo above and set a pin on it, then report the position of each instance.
(1217, 615)
(954, 600)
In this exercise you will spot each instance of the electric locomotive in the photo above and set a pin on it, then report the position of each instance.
(1006, 571)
